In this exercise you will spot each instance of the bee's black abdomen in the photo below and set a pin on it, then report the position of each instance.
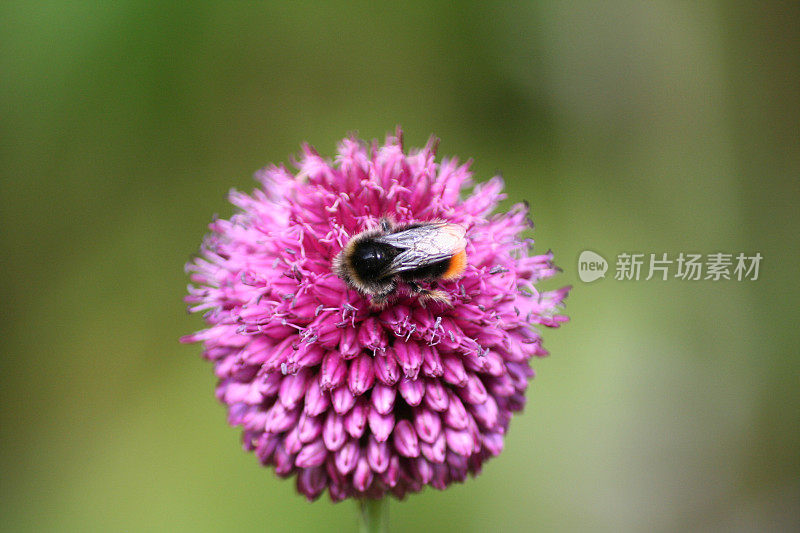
(433, 271)
(370, 259)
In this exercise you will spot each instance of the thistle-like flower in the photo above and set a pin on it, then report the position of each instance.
(349, 396)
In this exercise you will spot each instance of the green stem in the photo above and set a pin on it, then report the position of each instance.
(373, 516)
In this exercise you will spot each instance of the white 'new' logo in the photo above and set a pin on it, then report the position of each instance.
(591, 266)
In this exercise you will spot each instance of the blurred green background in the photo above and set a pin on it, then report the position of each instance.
(630, 127)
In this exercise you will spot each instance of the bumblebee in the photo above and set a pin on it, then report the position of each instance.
(375, 261)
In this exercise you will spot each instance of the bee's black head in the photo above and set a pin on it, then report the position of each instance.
(369, 259)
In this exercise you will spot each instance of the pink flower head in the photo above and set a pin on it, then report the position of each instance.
(359, 399)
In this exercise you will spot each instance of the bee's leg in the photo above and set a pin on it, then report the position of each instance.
(426, 295)
(415, 287)
(379, 300)
(437, 296)
(386, 225)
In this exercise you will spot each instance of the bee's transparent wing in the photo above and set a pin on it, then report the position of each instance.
(424, 245)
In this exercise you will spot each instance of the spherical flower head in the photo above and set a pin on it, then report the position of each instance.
(346, 395)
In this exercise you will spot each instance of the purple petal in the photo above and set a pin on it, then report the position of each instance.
(266, 447)
(435, 452)
(396, 316)
(454, 372)
(452, 336)
(423, 469)
(280, 419)
(435, 395)
(311, 482)
(310, 357)
(332, 470)
(516, 401)
(493, 364)
(378, 454)
(500, 386)
(428, 424)
(342, 400)
(371, 334)
(486, 413)
(459, 441)
(348, 344)
(490, 336)
(456, 415)
(405, 439)
(493, 442)
(333, 434)
(329, 290)
(356, 420)
(329, 336)
(361, 375)
(270, 384)
(409, 357)
(431, 362)
(347, 457)
(519, 374)
(386, 369)
(338, 492)
(412, 390)
(284, 462)
(309, 427)
(380, 425)
(254, 419)
(392, 473)
(459, 466)
(333, 371)
(312, 454)
(440, 476)
(292, 441)
(317, 401)
(383, 398)
(473, 392)
(362, 477)
(293, 388)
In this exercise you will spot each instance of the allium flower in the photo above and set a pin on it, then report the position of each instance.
(350, 397)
